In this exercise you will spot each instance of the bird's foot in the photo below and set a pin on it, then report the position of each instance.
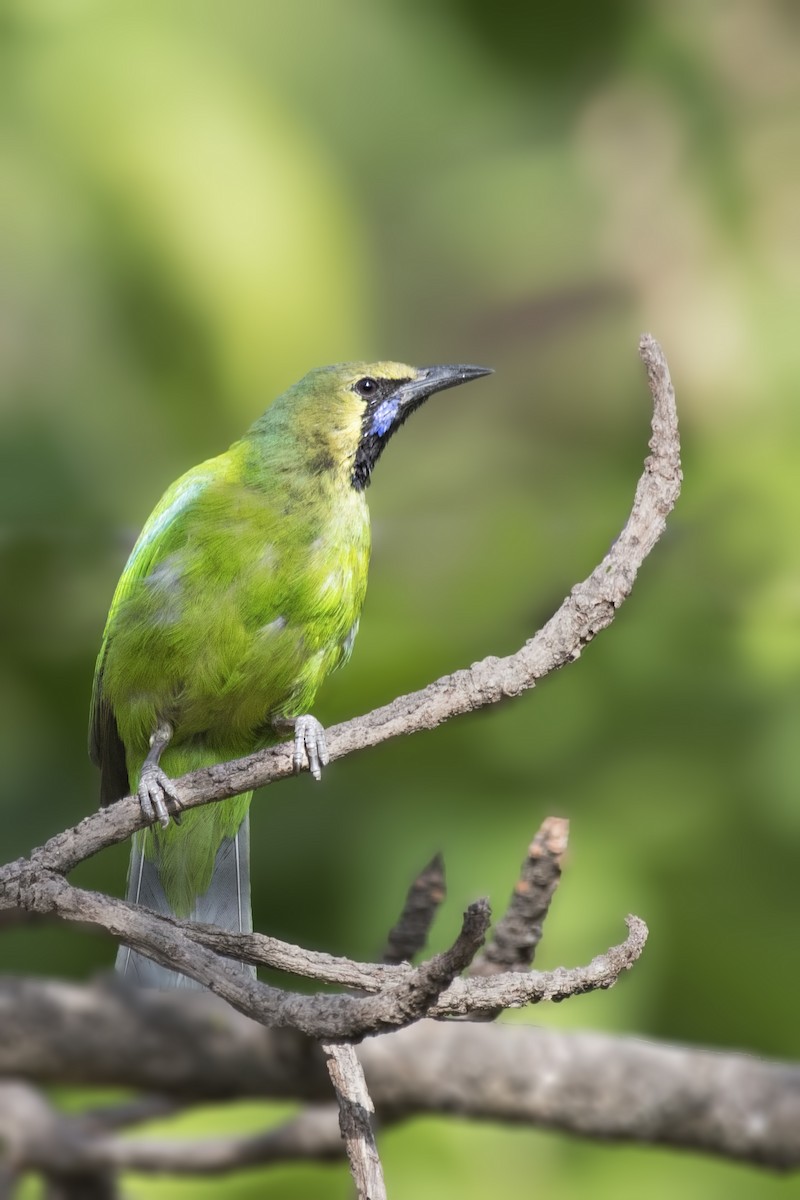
(158, 796)
(310, 746)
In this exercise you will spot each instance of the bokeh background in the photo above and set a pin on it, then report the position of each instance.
(200, 201)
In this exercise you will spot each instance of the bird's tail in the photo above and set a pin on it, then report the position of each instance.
(225, 903)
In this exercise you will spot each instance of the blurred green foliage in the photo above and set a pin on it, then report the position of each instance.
(200, 202)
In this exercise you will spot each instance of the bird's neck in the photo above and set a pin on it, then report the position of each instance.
(305, 475)
(285, 453)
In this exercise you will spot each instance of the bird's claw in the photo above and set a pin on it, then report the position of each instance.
(158, 797)
(310, 746)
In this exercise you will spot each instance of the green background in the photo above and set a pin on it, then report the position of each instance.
(202, 201)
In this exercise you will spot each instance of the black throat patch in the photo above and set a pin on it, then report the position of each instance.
(377, 426)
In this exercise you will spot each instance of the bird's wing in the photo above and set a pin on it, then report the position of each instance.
(105, 745)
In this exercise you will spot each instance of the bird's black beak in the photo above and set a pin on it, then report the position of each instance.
(435, 379)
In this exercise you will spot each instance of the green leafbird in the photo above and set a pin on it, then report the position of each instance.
(243, 591)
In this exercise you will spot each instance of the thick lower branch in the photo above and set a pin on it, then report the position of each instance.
(84, 1158)
(593, 1085)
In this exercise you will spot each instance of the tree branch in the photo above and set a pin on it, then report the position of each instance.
(409, 935)
(409, 996)
(516, 935)
(355, 1109)
(729, 1105)
(76, 1148)
(410, 993)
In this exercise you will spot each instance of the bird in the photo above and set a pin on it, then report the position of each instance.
(242, 593)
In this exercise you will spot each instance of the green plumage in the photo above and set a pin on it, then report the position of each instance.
(242, 593)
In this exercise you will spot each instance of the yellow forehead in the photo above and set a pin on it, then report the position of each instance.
(350, 372)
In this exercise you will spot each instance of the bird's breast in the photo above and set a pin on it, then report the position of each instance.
(241, 623)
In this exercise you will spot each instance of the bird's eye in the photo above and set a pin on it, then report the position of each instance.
(366, 386)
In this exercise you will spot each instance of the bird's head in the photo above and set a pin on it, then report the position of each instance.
(351, 410)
